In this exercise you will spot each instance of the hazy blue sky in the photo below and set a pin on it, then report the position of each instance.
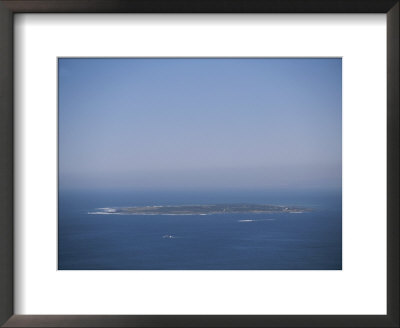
(200, 123)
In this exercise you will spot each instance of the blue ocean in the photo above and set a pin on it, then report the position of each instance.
(274, 241)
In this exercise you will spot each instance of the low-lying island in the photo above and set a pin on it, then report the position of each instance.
(199, 209)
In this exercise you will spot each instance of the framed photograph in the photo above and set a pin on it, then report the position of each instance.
(199, 164)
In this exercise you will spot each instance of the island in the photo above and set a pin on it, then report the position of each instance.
(200, 209)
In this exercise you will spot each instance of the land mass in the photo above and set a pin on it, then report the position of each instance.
(200, 209)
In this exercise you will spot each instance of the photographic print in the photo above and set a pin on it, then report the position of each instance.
(199, 164)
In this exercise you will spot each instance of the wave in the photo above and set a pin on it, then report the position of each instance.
(255, 220)
(104, 213)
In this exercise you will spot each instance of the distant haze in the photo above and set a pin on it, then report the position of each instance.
(200, 123)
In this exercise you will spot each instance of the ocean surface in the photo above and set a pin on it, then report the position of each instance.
(279, 241)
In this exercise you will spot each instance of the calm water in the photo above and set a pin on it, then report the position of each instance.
(283, 241)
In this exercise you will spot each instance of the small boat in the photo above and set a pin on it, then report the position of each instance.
(169, 236)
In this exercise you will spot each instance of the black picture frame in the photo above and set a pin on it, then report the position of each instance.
(10, 7)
